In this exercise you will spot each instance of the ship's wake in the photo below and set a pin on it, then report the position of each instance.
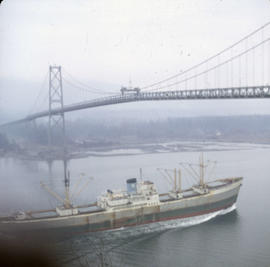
(166, 225)
(113, 241)
(197, 219)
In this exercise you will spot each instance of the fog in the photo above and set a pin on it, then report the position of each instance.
(104, 44)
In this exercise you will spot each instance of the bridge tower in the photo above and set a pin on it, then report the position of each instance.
(57, 120)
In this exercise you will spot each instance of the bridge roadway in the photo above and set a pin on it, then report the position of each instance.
(219, 93)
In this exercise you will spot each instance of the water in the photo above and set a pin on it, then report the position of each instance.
(239, 238)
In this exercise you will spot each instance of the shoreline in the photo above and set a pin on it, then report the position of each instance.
(142, 149)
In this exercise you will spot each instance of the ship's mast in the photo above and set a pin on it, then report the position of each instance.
(54, 194)
(179, 181)
(175, 180)
(141, 175)
(202, 166)
(67, 185)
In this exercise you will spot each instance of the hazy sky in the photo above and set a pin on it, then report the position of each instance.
(105, 43)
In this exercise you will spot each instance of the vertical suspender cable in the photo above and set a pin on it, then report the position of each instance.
(239, 71)
(262, 58)
(246, 46)
(232, 68)
(253, 66)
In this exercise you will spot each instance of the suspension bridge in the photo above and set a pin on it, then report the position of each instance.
(241, 71)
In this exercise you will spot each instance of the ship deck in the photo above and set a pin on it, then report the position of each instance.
(93, 208)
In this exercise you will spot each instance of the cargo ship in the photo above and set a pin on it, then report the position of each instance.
(139, 204)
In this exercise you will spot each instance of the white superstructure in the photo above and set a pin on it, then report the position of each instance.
(138, 194)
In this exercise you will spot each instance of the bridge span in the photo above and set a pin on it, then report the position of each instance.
(248, 92)
(240, 71)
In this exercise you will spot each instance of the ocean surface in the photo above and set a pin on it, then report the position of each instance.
(236, 237)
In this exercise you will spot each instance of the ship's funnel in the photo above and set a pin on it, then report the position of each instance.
(132, 186)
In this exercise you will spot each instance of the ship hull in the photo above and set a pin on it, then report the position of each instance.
(217, 199)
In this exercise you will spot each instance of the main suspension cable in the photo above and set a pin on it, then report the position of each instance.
(208, 59)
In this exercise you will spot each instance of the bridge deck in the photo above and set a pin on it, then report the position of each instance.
(219, 93)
